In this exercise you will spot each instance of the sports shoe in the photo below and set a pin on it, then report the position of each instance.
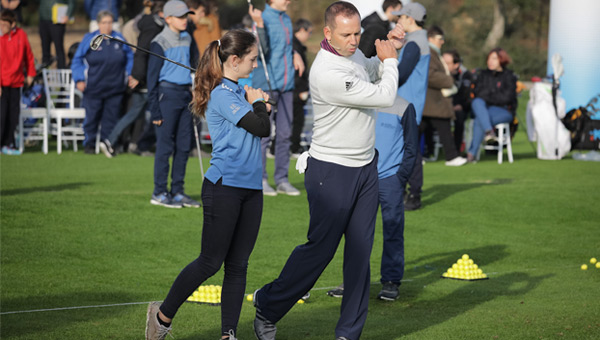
(10, 151)
(186, 201)
(306, 296)
(389, 292)
(230, 335)
(341, 338)
(267, 189)
(107, 148)
(287, 189)
(490, 137)
(165, 200)
(412, 203)
(263, 328)
(471, 158)
(337, 292)
(154, 330)
(456, 161)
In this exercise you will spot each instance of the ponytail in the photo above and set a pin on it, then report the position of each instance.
(210, 70)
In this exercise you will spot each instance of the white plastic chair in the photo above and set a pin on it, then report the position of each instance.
(60, 102)
(38, 131)
(503, 133)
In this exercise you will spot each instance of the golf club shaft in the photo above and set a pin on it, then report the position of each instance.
(149, 52)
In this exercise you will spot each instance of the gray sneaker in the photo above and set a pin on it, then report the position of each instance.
(186, 201)
(267, 189)
(263, 328)
(337, 292)
(287, 189)
(230, 335)
(389, 292)
(154, 330)
(165, 200)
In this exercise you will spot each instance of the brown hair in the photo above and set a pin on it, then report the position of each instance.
(343, 8)
(8, 15)
(503, 57)
(209, 74)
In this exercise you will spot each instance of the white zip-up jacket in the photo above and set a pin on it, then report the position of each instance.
(345, 91)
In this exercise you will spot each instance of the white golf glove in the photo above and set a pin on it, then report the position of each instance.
(302, 162)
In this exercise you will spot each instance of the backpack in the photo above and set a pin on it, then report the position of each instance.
(585, 130)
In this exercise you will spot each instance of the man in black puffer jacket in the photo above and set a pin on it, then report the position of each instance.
(377, 25)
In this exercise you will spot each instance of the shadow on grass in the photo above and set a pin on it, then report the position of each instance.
(440, 192)
(50, 188)
(48, 316)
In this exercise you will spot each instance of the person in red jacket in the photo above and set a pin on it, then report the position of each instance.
(15, 57)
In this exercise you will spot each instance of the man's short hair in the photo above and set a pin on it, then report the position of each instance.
(8, 15)
(455, 56)
(433, 31)
(302, 24)
(338, 8)
(390, 3)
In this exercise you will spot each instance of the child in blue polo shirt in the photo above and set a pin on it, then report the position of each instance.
(232, 195)
(168, 98)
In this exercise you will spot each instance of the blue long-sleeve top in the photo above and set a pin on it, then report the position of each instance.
(105, 70)
(175, 46)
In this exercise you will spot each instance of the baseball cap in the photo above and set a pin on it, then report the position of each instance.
(176, 8)
(414, 10)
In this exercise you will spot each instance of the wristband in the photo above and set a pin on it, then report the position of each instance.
(258, 100)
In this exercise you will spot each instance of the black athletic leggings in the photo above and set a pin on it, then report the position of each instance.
(231, 222)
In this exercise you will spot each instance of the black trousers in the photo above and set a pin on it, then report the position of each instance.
(297, 124)
(415, 181)
(459, 128)
(53, 33)
(231, 222)
(442, 126)
(11, 109)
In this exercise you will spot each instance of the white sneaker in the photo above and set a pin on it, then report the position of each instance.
(267, 189)
(457, 161)
(287, 189)
(154, 330)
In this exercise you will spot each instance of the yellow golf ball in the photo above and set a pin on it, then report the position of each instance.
(249, 297)
(598, 265)
(593, 260)
(300, 301)
(465, 257)
(584, 267)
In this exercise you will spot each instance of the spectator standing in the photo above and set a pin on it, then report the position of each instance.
(169, 95)
(149, 26)
(53, 32)
(341, 174)
(438, 109)
(93, 7)
(461, 100)
(377, 25)
(495, 99)
(102, 76)
(233, 203)
(302, 31)
(15, 56)
(412, 82)
(280, 64)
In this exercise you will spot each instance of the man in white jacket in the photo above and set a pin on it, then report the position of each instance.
(341, 173)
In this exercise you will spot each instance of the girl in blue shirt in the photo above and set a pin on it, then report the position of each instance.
(232, 190)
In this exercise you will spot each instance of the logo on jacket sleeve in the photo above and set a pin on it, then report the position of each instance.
(348, 85)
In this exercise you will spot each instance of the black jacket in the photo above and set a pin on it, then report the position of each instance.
(497, 88)
(149, 26)
(374, 28)
(463, 80)
(301, 83)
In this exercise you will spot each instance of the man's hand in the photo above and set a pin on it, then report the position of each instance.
(299, 64)
(256, 15)
(385, 49)
(157, 122)
(133, 82)
(29, 80)
(81, 86)
(396, 36)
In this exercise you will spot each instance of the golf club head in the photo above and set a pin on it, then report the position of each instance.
(96, 41)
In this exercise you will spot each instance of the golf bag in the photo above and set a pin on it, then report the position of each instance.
(543, 124)
(584, 125)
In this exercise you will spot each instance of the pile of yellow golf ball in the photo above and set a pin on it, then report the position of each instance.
(465, 269)
(206, 294)
(593, 261)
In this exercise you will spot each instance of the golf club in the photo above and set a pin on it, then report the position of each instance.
(195, 123)
(97, 41)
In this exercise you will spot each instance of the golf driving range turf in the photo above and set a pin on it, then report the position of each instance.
(83, 251)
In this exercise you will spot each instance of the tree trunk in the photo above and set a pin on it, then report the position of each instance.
(497, 31)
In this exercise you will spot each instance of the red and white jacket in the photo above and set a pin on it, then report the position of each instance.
(15, 58)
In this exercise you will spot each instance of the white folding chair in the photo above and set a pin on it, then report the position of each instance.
(503, 133)
(37, 131)
(60, 102)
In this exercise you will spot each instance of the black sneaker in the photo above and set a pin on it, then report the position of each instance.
(186, 201)
(337, 292)
(412, 203)
(107, 148)
(389, 292)
(263, 328)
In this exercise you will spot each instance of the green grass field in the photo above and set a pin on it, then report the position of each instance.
(78, 231)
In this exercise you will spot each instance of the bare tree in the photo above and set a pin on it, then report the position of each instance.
(498, 26)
